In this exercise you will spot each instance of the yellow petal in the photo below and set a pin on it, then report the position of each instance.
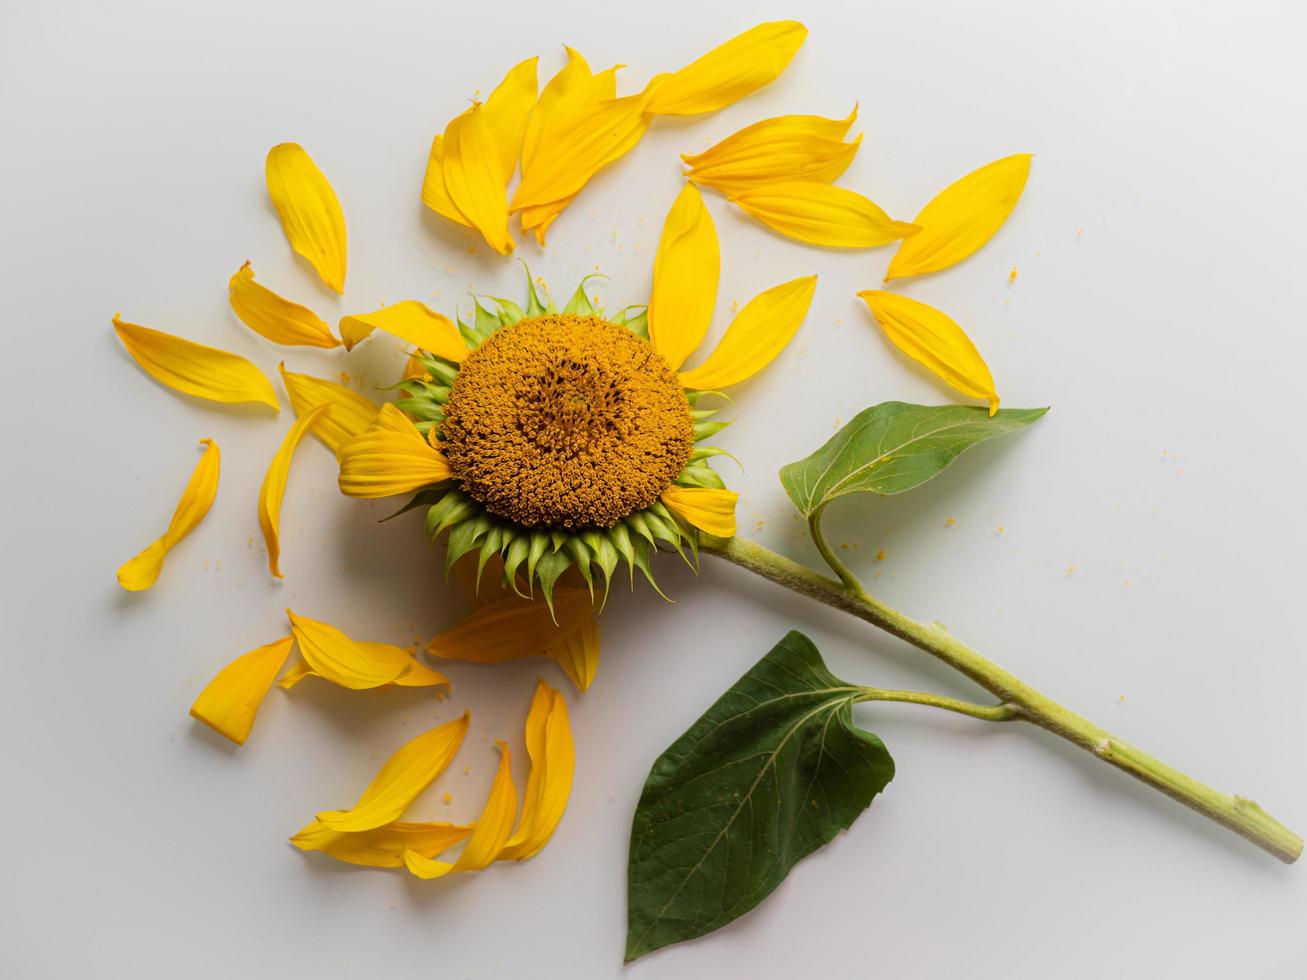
(142, 571)
(309, 211)
(405, 774)
(390, 458)
(350, 415)
(412, 322)
(706, 508)
(553, 763)
(299, 670)
(929, 337)
(684, 279)
(538, 219)
(820, 214)
(507, 111)
(488, 836)
(513, 627)
(434, 194)
(962, 217)
(418, 674)
(383, 847)
(753, 141)
(414, 370)
(758, 333)
(810, 159)
(277, 319)
(194, 369)
(559, 94)
(336, 657)
(730, 71)
(578, 653)
(475, 178)
(230, 701)
(274, 485)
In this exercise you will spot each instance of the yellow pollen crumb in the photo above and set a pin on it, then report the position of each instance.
(1012, 276)
(949, 522)
(1071, 569)
(880, 555)
(1000, 529)
(466, 770)
(844, 547)
(448, 798)
(758, 524)
(344, 377)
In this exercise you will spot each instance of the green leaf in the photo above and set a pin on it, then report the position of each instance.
(893, 447)
(770, 773)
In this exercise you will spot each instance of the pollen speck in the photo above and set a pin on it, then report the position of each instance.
(949, 522)
(880, 555)
(1012, 276)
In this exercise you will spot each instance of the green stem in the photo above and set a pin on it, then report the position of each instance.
(985, 712)
(1237, 813)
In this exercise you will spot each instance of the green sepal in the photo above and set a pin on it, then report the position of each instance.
(517, 551)
(539, 543)
(620, 538)
(442, 371)
(705, 430)
(580, 303)
(558, 538)
(637, 323)
(548, 571)
(427, 409)
(642, 563)
(464, 537)
(708, 452)
(495, 538)
(486, 322)
(470, 336)
(701, 475)
(605, 555)
(533, 305)
(637, 524)
(452, 508)
(580, 552)
(509, 312)
(420, 499)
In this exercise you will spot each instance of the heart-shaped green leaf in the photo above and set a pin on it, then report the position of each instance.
(770, 773)
(893, 447)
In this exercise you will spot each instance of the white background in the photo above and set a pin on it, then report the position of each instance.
(1139, 554)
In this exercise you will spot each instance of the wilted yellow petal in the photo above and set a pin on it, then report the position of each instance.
(578, 653)
(475, 178)
(410, 321)
(418, 674)
(488, 836)
(230, 701)
(507, 110)
(336, 657)
(706, 508)
(434, 194)
(729, 72)
(309, 211)
(350, 415)
(684, 279)
(821, 214)
(405, 774)
(778, 132)
(929, 337)
(274, 485)
(758, 333)
(962, 217)
(553, 763)
(513, 627)
(194, 369)
(142, 571)
(277, 319)
(383, 847)
(390, 458)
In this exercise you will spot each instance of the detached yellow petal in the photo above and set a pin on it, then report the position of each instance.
(194, 369)
(685, 276)
(383, 847)
(758, 333)
(809, 159)
(706, 508)
(390, 458)
(578, 653)
(513, 627)
(729, 72)
(820, 214)
(538, 219)
(336, 657)
(475, 178)
(768, 134)
(405, 774)
(549, 784)
(277, 319)
(309, 211)
(299, 670)
(274, 485)
(231, 700)
(507, 110)
(434, 194)
(410, 321)
(142, 571)
(962, 217)
(488, 836)
(350, 415)
(929, 337)
(418, 674)
(570, 87)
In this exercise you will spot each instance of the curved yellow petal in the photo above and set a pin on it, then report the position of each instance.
(929, 337)
(821, 214)
(730, 71)
(350, 415)
(685, 276)
(434, 193)
(414, 370)
(273, 317)
(274, 485)
(382, 847)
(758, 333)
(299, 670)
(578, 653)
(706, 508)
(195, 369)
(809, 159)
(230, 701)
(537, 219)
(418, 674)
(475, 178)
(337, 658)
(405, 774)
(549, 783)
(489, 834)
(507, 110)
(309, 211)
(513, 627)
(390, 458)
(569, 87)
(142, 571)
(962, 217)
(412, 322)
(754, 140)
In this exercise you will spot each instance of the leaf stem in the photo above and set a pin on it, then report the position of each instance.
(1236, 813)
(985, 712)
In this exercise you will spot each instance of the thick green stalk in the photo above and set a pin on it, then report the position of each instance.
(1238, 813)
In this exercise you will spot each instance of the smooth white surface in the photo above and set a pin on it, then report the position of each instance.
(1137, 555)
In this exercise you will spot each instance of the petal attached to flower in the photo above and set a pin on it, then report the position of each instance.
(578, 653)
(730, 71)
(553, 763)
(405, 774)
(274, 485)
(929, 337)
(962, 217)
(513, 627)
(194, 369)
(230, 701)
(821, 214)
(475, 178)
(489, 835)
(350, 415)
(507, 110)
(684, 279)
(780, 132)
(706, 508)
(434, 194)
(390, 458)
(142, 571)
(410, 321)
(758, 333)
(383, 847)
(309, 211)
(336, 657)
(277, 319)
